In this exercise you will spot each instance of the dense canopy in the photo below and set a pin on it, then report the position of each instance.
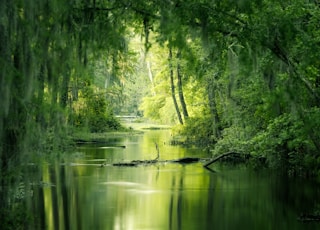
(237, 75)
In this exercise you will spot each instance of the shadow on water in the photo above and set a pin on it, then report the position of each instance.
(78, 194)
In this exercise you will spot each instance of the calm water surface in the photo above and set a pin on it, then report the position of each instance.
(79, 194)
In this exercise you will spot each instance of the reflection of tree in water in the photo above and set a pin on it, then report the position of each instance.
(303, 200)
(176, 201)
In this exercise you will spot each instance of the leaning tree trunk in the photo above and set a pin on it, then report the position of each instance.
(180, 90)
(40, 118)
(54, 88)
(151, 78)
(213, 107)
(173, 93)
(64, 89)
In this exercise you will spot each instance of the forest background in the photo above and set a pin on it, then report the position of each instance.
(237, 75)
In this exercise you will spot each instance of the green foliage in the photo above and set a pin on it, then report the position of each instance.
(250, 71)
(159, 108)
(289, 144)
(256, 58)
(16, 217)
(234, 139)
(95, 113)
(253, 64)
(199, 131)
(151, 106)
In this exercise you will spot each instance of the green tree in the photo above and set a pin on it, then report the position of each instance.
(253, 62)
(173, 91)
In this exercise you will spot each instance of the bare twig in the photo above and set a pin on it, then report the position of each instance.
(158, 151)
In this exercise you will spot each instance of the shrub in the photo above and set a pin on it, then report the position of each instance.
(198, 130)
(96, 114)
(288, 143)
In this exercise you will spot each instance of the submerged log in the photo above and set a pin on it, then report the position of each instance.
(186, 160)
(145, 161)
(125, 164)
(135, 163)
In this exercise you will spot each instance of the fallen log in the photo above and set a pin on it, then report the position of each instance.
(186, 160)
(125, 164)
(135, 163)
(145, 161)
(140, 162)
(220, 157)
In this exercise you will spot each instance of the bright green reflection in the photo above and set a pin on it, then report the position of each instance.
(167, 196)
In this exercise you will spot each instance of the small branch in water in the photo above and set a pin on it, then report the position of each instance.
(158, 151)
(140, 162)
(209, 169)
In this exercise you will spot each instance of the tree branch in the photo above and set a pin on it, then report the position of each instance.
(219, 157)
(277, 50)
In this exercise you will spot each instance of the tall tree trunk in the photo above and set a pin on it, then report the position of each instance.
(173, 93)
(54, 88)
(41, 79)
(213, 107)
(280, 52)
(151, 78)
(14, 126)
(64, 89)
(180, 90)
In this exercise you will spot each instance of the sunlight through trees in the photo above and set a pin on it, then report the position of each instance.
(237, 75)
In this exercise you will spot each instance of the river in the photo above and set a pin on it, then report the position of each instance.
(77, 193)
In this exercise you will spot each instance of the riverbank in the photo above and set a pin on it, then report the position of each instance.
(218, 197)
(129, 129)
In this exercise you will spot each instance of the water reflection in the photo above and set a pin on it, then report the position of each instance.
(81, 195)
